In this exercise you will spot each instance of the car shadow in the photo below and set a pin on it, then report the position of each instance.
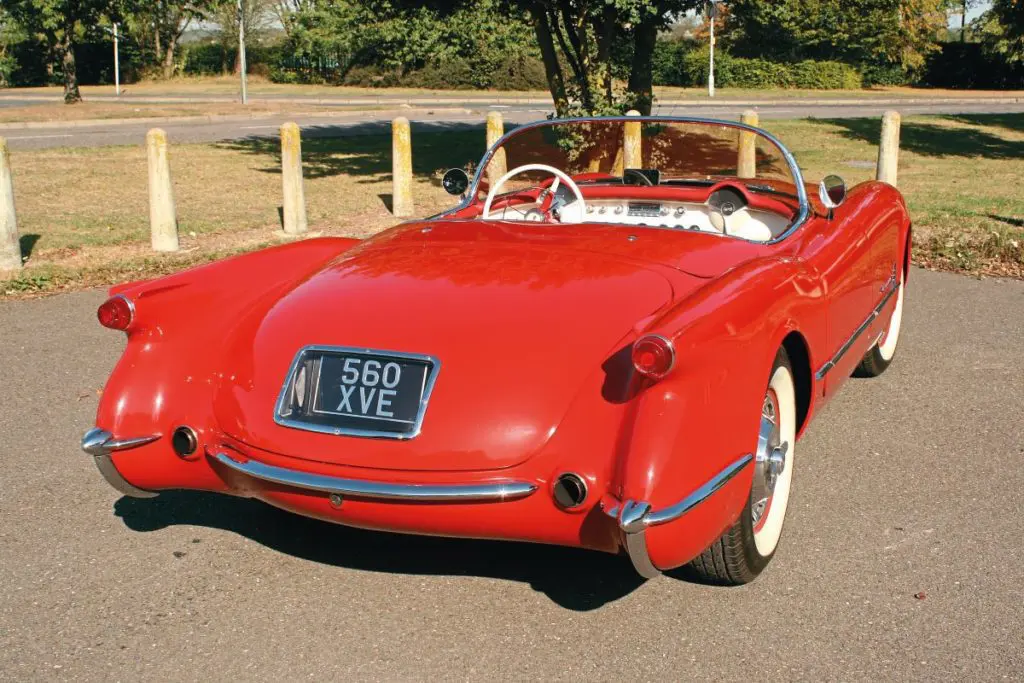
(573, 578)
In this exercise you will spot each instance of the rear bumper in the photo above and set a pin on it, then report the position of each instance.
(101, 444)
(488, 508)
(635, 517)
(486, 492)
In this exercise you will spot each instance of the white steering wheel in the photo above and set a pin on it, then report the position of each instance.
(571, 213)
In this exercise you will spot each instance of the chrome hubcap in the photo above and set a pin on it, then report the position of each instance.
(770, 459)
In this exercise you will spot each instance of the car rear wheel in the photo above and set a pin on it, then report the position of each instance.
(881, 354)
(742, 552)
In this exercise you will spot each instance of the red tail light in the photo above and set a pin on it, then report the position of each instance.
(653, 356)
(116, 313)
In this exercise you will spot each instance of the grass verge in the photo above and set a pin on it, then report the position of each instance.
(99, 110)
(227, 86)
(83, 213)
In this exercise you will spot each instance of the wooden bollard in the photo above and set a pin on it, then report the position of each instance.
(889, 148)
(401, 168)
(163, 223)
(293, 204)
(10, 247)
(495, 129)
(632, 150)
(746, 163)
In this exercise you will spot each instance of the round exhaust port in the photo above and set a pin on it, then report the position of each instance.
(570, 490)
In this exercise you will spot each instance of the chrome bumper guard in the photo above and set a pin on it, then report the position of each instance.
(100, 443)
(634, 517)
(454, 493)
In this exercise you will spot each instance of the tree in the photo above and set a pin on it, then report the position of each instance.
(161, 23)
(962, 7)
(1001, 30)
(589, 45)
(11, 34)
(1010, 17)
(257, 16)
(61, 24)
(878, 32)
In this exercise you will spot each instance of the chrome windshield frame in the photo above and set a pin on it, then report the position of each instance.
(804, 208)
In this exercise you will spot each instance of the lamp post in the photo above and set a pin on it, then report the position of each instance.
(712, 10)
(241, 50)
(117, 65)
(117, 60)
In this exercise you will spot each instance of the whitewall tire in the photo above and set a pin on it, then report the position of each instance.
(746, 548)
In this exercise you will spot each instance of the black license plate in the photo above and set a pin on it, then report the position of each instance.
(357, 391)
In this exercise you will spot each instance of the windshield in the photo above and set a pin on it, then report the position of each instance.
(686, 173)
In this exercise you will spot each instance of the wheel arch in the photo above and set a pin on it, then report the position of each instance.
(803, 377)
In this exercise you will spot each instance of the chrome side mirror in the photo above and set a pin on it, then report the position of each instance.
(832, 191)
(455, 181)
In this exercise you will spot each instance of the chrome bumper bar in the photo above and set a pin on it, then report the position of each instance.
(634, 517)
(491, 492)
(100, 443)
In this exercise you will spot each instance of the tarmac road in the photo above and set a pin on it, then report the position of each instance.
(912, 483)
(446, 115)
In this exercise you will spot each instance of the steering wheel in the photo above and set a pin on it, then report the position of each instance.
(571, 212)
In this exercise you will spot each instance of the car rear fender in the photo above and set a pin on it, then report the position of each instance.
(690, 426)
(169, 369)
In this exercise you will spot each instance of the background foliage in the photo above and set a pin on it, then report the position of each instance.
(599, 56)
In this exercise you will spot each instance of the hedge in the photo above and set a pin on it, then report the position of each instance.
(741, 72)
(514, 72)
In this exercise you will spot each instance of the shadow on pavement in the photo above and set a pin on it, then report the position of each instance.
(573, 578)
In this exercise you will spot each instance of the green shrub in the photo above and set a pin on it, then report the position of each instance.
(823, 75)
(514, 72)
(742, 72)
(667, 62)
(884, 74)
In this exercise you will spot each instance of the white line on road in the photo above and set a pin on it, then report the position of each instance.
(256, 127)
(31, 137)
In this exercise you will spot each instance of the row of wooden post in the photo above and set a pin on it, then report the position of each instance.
(163, 216)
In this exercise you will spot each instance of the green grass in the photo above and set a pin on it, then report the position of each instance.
(83, 213)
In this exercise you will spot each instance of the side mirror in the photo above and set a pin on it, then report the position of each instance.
(832, 191)
(455, 181)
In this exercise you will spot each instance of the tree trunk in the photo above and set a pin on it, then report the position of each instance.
(169, 59)
(641, 84)
(963, 21)
(604, 29)
(553, 71)
(71, 92)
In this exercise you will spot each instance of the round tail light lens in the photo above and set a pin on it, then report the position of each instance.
(653, 356)
(116, 313)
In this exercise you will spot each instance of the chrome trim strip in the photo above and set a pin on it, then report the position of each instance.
(492, 492)
(803, 213)
(431, 378)
(635, 517)
(823, 370)
(100, 443)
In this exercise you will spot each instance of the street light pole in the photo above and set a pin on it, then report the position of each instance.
(117, 65)
(711, 63)
(712, 15)
(241, 50)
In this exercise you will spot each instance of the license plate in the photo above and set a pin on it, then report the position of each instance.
(360, 392)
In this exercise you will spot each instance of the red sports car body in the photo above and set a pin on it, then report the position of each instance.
(619, 353)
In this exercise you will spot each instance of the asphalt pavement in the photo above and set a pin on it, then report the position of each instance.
(446, 113)
(901, 558)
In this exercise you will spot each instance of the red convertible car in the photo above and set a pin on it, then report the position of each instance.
(613, 341)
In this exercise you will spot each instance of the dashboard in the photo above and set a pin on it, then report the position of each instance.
(740, 221)
(725, 210)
